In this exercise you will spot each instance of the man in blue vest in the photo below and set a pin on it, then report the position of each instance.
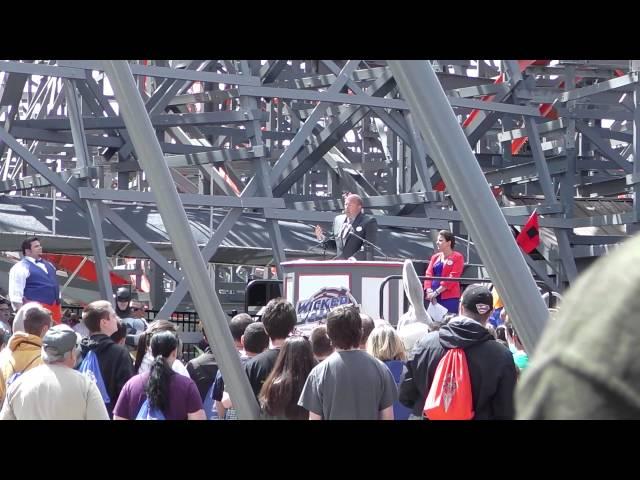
(33, 279)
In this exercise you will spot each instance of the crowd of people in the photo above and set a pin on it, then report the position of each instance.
(351, 367)
(109, 363)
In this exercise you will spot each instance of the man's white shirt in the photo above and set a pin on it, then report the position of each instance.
(18, 279)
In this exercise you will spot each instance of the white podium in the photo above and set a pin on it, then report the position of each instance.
(316, 287)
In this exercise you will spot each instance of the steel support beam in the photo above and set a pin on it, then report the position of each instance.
(381, 113)
(210, 311)
(40, 69)
(186, 199)
(604, 146)
(329, 137)
(567, 187)
(634, 181)
(131, 233)
(160, 99)
(307, 129)
(607, 85)
(166, 72)
(95, 225)
(383, 220)
(540, 272)
(457, 164)
(158, 121)
(182, 286)
(484, 120)
(371, 101)
(254, 133)
(566, 254)
(53, 177)
(544, 176)
(227, 223)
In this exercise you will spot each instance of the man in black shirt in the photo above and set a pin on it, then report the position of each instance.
(237, 325)
(278, 319)
(203, 370)
(255, 341)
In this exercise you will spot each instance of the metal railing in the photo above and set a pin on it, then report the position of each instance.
(463, 280)
(186, 322)
(551, 301)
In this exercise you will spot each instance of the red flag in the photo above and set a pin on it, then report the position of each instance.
(528, 238)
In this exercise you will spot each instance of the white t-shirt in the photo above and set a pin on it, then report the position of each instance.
(53, 392)
(177, 366)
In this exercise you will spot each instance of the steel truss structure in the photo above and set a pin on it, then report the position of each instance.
(420, 141)
(284, 139)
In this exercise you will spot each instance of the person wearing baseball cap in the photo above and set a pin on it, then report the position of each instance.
(478, 300)
(491, 368)
(54, 390)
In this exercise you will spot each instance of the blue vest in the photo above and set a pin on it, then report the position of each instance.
(41, 287)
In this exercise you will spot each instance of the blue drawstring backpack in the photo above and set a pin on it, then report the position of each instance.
(209, 409)
(147, 412)
(91, 368)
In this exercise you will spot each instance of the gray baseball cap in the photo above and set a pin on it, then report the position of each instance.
(59, 340)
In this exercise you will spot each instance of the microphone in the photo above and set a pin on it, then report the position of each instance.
(351, 231)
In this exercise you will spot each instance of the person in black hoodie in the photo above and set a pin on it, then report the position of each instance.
(491, 367)
(115, 363)
(203, 369)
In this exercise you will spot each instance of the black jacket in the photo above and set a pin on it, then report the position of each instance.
(203, 370)
(364, 226)
(115, 364)
(491, 368)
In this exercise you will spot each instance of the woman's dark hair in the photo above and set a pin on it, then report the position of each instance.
(448, 236)
(145, 339)
(157, 388)
(281, 390)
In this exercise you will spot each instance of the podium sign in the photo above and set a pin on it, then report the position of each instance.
(315, 288)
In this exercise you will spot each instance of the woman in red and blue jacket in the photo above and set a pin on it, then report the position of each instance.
(445, 263)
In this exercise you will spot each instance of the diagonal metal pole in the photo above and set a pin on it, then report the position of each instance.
(634, 180)
(174, 218)
(95, 224)
(481, 214)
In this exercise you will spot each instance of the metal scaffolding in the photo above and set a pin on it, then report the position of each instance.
(283, 139)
